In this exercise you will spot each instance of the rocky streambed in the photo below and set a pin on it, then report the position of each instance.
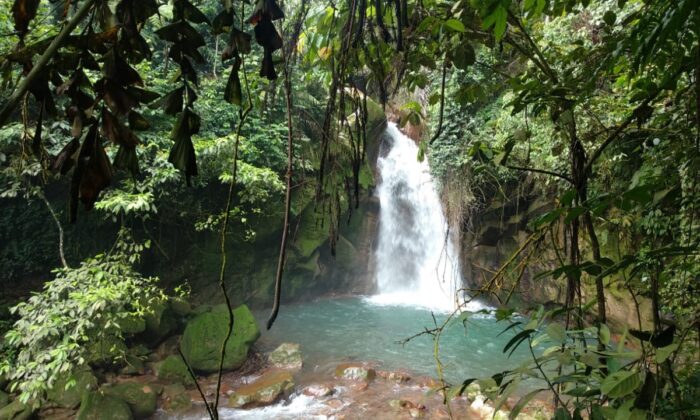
(143, 373)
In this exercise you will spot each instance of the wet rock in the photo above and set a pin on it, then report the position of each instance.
(176, 398)
(70, 397)
(141, 398)
(16, 411)
(335, 404)
(97, 406)
(286, 356)
(318, 390)
(359, 386)
(355, 372)
(264, 391)
(173, 369)
(428, 382)
(204, 335)
(396, 376)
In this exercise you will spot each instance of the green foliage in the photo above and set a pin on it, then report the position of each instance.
(79, 306)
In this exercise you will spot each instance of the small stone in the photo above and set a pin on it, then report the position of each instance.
(318, 391)
(355, 372)
(396, 376)
(415, 412)
(335, 403)
(359, 386)
(287, 356)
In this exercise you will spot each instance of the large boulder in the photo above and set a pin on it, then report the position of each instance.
(286, 356)
(141, 398)
(98, 406)
(70, 397)
(173, 369)
(267, 389)
(204, 335)
(106, 350)
(16, 411)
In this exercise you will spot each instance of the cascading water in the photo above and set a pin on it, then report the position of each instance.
(417, 261)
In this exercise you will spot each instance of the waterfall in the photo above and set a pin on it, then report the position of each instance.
(417, 261)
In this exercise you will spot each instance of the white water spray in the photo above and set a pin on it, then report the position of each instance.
(417, 261)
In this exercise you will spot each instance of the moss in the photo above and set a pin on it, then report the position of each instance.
(141, 398)
(70, 397)
(204, 335)
(172, 368)
(97, 406)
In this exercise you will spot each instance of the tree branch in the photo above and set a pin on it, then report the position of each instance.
(542, 171)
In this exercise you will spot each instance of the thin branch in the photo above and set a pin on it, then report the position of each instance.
(196, 383)
(542, 171)
(58, 225)
(442, 101)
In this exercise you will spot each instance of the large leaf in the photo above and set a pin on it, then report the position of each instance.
(620, 384)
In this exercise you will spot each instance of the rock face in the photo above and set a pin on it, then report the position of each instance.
(97, 406)
(85, 381)
(286, 356)
(174, 369)
(265, 390)
(204, 335)
(141, 398)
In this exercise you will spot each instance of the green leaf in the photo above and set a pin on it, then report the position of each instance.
(556, 332)
(620, 384)
(664, 353)
(455, 25)
(518, 407)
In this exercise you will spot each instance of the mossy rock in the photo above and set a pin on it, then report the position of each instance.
(160, 323)
(180, 306)
(204, 335)
(98, 406)
(85, 381)
(176, 398)
(105, 350)
(141, 398)
(133, 365)
(132, 324)
(264, 391)
(173, 369)
(16, 411)
(4, 398)
(345, 254)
